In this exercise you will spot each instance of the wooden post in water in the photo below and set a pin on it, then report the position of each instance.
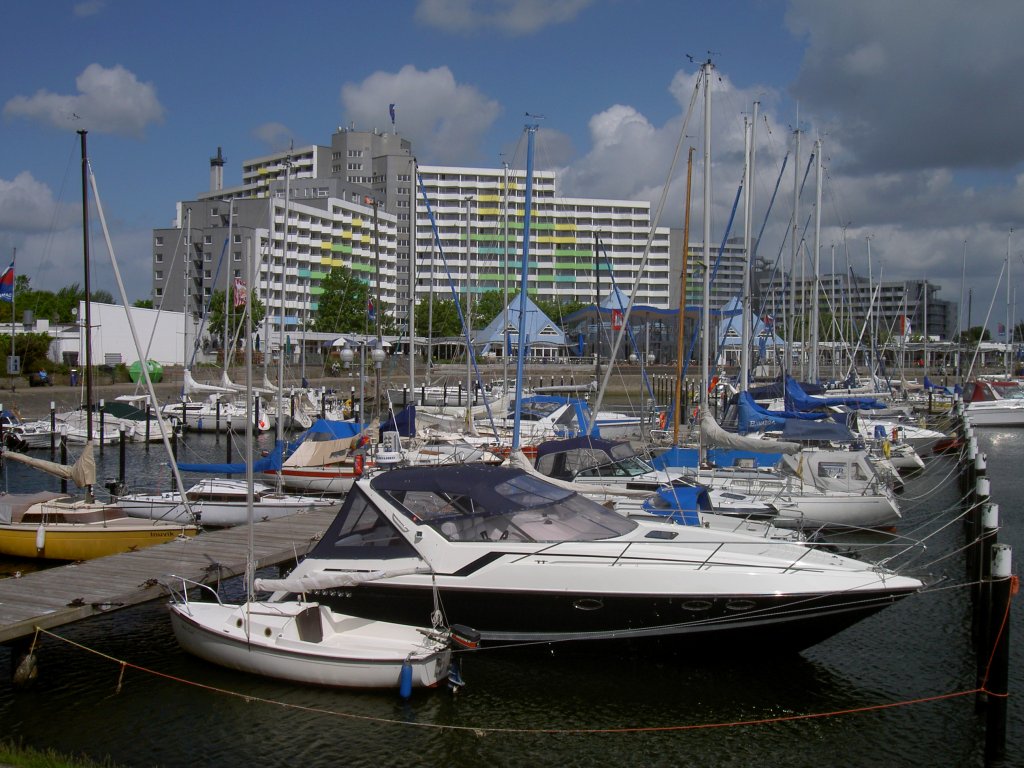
(122, 446)
(102, 432)
(63, 458)
(53, 431)
(997, 684)
(982, 594)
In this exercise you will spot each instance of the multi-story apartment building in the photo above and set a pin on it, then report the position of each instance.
(850, 297)
(578, 245)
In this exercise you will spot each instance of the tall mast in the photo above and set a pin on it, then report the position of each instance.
(597, 306)
(504, 258)
(88, 289)
(746, 332)
(794, 250)
(682, 303)
(706, 256)
(531, 131)
(812, 372)
(1009, 310)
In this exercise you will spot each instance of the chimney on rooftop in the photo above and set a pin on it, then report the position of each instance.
(217, 171)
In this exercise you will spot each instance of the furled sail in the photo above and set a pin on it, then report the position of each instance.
(82, 473)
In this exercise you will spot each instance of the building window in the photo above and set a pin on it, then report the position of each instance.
(208, 240)
(159, 275)
(158, 258)
(159, 291)
(207, 257)
(213, 211)
(159, 241)
(236, 256)
(237, 239)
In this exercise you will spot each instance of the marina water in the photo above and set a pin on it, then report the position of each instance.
(882, 693)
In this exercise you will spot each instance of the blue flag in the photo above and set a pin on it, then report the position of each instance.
(370, 312)
(7, 284)
(391, 111)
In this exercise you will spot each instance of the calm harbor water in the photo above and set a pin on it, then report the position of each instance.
(882, 688)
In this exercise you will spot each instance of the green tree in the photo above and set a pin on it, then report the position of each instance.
(442, 321)
(342, 307)
(215, 319)
(143, 303)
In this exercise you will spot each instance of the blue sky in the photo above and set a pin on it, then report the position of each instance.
(919, 105)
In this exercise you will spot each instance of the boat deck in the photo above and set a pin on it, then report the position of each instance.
(64, 594)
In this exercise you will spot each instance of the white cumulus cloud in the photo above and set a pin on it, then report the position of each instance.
(109, 100)
(27, 205)
(513, 17)
(444, 119)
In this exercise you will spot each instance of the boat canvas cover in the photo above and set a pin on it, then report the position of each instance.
(14, 505)
(713, 434)
(817, 431)
(82, 473)
(321, 453)
(271, 461)
(403, 422)
(754, 417)
(798, 400)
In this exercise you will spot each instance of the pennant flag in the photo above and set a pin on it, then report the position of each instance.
(769, 322)
(241, 294)
(391, 111)
(7, 284)
(370, 312)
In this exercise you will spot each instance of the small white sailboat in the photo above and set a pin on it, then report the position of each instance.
(306, 642)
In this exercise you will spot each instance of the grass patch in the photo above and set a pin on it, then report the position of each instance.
(12, 754)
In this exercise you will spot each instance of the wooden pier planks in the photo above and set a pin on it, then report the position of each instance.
(69, 593)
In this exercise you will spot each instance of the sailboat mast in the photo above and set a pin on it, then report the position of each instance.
(746, 332)
(279, 421)
(599, 325)
(1009, 310)
(815, 304)
(504, 258)
(793, 251)
(531, 131)
(705, 349)
(682, 303)
(88, 289)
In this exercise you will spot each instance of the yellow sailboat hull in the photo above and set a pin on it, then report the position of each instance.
(76, 541)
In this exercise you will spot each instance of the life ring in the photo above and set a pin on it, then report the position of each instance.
(262, 423)
(358, 464)
(887, 448)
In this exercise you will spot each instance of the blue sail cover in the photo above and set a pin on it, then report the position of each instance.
(403, 422)
(676, 457)
(754, 417)
(679, 503)
(817, 431)
(798, 400)
(272, 461)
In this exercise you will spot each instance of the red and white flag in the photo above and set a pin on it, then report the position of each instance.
(241, 292)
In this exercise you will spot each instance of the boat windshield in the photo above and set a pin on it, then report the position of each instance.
(521, 508)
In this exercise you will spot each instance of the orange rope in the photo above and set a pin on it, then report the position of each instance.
(487, 730)
(1014, 589)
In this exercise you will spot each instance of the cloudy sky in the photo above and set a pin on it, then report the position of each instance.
(919, 105)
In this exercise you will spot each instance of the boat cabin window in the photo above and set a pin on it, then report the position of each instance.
(832, 470)
(361, 530)
(521, 509)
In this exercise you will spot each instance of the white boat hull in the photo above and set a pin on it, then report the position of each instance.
(308, 643)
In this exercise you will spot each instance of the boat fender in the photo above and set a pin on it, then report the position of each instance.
(26, 671)
(358, 463)
(895, 434)
(40, 538)
(887, 448)
(405, 680)
(662, 419)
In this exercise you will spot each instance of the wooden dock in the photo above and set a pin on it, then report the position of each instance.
(65, 594)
